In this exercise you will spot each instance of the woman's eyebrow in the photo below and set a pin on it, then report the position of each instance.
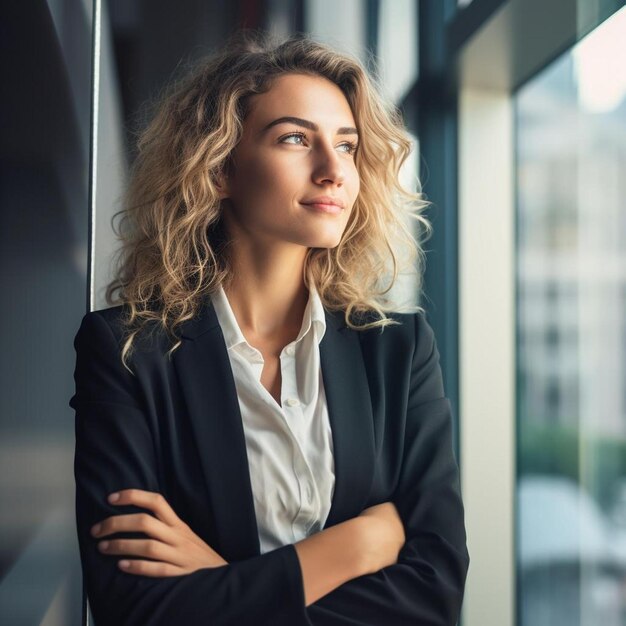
(344, 130)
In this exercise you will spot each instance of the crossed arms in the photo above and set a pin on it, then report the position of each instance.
(424, 585)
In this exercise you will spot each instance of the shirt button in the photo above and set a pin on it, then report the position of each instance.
(292, 402)
(290, 350)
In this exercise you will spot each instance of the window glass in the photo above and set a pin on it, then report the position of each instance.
(44, 213)
(571, 322)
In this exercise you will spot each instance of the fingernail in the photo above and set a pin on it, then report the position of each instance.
(104, 545)
(95, 529)
(124, 563)
(114, 497)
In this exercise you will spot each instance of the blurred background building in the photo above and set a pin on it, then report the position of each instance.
(518, 113)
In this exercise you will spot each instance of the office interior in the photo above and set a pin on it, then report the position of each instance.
(517, 109)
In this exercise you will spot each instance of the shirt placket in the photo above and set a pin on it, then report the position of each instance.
(293, 413)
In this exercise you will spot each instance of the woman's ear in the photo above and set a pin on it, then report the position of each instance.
(221, 181)
(221, 184)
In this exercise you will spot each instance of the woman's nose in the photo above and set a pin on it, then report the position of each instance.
(329, 166)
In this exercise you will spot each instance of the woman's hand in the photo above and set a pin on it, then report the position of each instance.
(384, 535)
(175, 548)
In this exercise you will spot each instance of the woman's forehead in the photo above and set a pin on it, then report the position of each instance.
(312, 98)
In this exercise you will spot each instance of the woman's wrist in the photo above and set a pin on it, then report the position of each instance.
(382, 536)
(332, 557)
(357, 547)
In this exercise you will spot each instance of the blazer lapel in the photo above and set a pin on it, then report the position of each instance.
(351, 419)
(208, 387)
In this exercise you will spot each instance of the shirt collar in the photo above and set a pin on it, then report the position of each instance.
(314, 317)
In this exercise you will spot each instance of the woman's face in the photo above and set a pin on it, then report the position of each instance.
(280, 164)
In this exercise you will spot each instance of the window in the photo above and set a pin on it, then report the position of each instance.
(570, 140)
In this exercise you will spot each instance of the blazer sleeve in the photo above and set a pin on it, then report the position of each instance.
(115, 450)
(426, 584)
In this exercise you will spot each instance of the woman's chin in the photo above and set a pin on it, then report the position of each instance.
(324, 242)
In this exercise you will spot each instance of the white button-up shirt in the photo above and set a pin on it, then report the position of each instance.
(290, 447)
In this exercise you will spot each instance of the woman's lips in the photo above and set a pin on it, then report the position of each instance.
(324, 208)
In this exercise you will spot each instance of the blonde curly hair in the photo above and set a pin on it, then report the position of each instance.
(175, 250)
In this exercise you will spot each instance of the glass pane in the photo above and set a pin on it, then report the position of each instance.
(44, 177)
(571, 498)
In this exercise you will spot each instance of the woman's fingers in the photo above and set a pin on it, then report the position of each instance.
(135, 522)
(157, 503)
(174, 549)
(151, 568)
(141, 547)
(151, 500)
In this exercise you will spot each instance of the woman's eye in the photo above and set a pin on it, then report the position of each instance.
(296, 135)
(350, 145)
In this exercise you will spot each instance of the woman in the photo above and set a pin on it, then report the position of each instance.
(274, 429)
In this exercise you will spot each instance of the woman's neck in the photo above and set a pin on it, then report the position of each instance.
(268, 298)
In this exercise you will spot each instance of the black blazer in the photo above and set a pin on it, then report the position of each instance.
(176, 428)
